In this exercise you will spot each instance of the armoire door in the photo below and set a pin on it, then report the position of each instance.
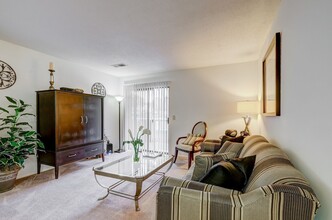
(70, 119)
(93, 119)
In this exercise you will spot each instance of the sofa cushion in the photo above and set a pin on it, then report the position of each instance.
(238, 139)
(210, 146)
(230, 174)
(205, 161)
(231, 147)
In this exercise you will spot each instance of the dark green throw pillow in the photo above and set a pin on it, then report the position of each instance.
(230, 174)
(205, 161)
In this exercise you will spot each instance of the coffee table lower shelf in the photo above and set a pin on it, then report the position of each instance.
(139, 193)
(138, 180)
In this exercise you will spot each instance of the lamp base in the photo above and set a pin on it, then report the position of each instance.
(246, 131)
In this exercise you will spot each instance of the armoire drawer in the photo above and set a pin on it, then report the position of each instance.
(94, 150)
(71, 155)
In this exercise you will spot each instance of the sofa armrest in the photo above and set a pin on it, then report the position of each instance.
(291, 190)
(183, 199)
(178, 203)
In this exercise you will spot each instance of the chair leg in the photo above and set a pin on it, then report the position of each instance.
(190, 158)
(176, 155)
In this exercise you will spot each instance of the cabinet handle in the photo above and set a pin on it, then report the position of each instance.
(81, 119)
(73, 155)
(86, 119)
(94, 150)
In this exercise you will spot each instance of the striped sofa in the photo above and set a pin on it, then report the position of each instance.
(276, 190)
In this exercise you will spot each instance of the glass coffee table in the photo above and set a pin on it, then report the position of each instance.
(124, 169)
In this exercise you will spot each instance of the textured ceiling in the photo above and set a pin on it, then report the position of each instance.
(150, 36)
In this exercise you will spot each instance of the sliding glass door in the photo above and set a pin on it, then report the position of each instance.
(148, 105)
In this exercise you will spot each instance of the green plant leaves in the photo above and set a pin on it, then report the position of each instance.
(24, 123)
(27, 114)
(19, 139)
(12, 100)
(4, 110)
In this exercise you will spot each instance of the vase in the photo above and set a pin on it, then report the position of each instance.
(136, 154)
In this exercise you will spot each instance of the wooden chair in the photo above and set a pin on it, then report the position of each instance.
(199, 132)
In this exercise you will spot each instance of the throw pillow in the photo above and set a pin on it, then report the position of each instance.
(186, 141)
(195, 138)
(210, 146)
(246, 165)
(231, 174)
(191, 138)
(231, 147)
(205, 161)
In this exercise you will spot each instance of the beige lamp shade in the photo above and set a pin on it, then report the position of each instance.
(248, 107)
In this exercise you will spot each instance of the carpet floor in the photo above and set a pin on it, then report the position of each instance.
(75, 195)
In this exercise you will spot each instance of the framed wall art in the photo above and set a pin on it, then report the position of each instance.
(271, 78)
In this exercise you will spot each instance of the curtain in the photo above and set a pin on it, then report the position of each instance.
(148, 105)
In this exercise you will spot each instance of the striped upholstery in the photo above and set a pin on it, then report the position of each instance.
(210, 146)
(272, 165)
(231, 147)
(276, 190)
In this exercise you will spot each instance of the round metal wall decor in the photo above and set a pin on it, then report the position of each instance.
(7, 75)
(98, 89)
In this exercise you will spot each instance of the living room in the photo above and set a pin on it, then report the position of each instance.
(210, 93)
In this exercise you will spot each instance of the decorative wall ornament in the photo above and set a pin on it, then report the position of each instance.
(98, 89)
(7, 75)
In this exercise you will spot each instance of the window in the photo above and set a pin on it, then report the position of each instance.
(148, 105)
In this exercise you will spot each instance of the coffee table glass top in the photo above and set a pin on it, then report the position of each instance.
(126, 167)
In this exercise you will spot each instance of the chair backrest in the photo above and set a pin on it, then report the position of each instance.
(200, 128)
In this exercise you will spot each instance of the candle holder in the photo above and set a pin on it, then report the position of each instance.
(51, 79)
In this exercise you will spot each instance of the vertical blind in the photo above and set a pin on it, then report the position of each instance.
(148, 105)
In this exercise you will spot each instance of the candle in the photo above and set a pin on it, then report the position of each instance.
(51, 66)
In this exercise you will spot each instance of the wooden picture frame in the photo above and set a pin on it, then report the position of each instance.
(271, 78)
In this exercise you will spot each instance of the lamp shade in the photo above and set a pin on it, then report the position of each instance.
(248, 107)
(119, 98)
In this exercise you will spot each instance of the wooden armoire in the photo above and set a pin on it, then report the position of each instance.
(70, 125)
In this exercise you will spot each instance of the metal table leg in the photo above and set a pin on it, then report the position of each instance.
(138, 192)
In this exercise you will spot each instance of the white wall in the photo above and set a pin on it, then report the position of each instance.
(208, 94)
(31, 68)
(304, 127)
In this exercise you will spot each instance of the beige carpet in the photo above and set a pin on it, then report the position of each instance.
(74, 195)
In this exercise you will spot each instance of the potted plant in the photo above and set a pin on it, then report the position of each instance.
(17, 141)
